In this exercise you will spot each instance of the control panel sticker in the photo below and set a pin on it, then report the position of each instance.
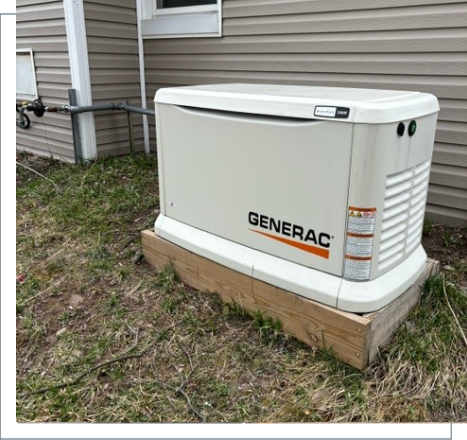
(359, 243)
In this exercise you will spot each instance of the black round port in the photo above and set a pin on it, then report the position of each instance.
(401, 129)
(412, 128)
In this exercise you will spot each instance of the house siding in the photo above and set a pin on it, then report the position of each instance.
(112, 39)
(401, 45)
(40, 25)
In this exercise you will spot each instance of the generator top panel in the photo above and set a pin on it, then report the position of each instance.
(367, 106)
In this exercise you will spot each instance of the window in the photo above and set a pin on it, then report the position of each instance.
(26, 86)
(181, 18)
(183, 3)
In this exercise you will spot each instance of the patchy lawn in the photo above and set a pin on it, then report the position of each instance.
(102, 337)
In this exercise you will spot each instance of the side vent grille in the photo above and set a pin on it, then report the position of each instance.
(403, 213)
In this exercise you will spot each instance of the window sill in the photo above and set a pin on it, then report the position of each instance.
(203, 21)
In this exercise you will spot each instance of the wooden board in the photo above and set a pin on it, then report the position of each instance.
(353, 338)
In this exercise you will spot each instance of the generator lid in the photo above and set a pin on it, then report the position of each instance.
(367, 106)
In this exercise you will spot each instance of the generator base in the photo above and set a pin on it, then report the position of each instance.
(354, 339)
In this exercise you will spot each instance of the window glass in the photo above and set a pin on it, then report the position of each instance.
(183, 3)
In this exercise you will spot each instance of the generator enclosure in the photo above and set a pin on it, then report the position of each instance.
(320, 191)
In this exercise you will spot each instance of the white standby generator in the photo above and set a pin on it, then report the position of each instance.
(320, 191)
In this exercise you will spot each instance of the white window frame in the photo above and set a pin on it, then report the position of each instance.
(183, 22)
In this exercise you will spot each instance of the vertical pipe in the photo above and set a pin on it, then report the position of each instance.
(130, 131)
(77, 143)
(142, 76)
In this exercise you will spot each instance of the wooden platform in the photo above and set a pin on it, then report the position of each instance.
(354, 339)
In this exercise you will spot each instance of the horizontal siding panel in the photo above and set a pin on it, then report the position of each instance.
(120, 3)
(115, 92)
(44, 139)
(452, 133)
(447, 215)
(252, 8)
(55, 76)
(121, 76)
(110, 13)
(118, 135)
(50, 94)
(110, 29)
(410, 64)
(424, 17)
(59, 121)
(450, 154)
(110, 45)
(453, 110)
(452, 176)
(53, 126)
(42, 127)
(49, 60)
(21, 4)
(437, 40)
(113, 61)
(446, 196)
(53, 44)
(41, 27)
(50, 149)
(41, 11)
(119, 148)
(113, 120)
(447, 87)
(45, 28)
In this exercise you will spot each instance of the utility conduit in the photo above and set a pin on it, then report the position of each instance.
(39, 109)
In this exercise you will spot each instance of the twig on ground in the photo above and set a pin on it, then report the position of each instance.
(37, 172)
(186, 354)
(453, 314)
(42, 292)
(179, 390)
(198, 414)
(136, 341)
(192, 368)
(89, 371)
(121, 358)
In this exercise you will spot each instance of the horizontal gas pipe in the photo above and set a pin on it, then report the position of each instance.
(74, 109)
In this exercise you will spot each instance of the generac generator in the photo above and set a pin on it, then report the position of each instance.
(320, 191)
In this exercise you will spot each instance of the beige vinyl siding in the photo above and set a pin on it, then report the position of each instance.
(401, 44)
(112, 38)
(40, 25)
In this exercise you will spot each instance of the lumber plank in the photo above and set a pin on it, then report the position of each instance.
(354, 339)
(313, 323)
(386, 321)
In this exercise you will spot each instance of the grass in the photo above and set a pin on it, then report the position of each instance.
(150, 349)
